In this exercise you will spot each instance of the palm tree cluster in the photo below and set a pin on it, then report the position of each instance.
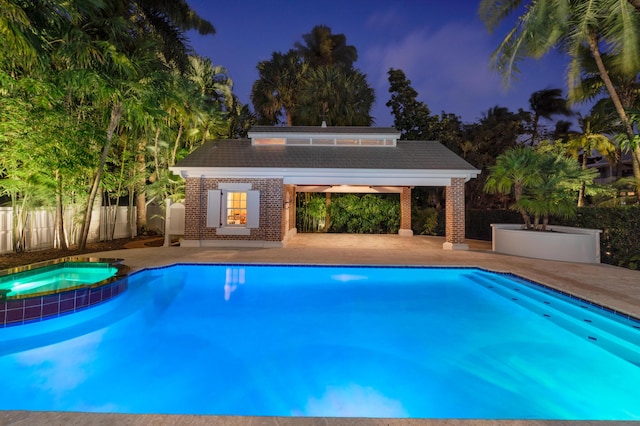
(602, 40)
(543, 183)
(100, 97)
(313, 82)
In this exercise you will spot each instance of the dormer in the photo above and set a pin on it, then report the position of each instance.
(324, 136)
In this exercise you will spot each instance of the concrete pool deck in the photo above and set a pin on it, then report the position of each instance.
(607, 285)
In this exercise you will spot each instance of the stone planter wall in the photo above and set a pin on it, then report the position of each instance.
(562, 243)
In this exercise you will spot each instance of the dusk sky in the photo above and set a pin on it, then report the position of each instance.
(442, 47)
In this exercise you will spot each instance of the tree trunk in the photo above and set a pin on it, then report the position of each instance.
(156, 153)
(517, 193)
(615, 98)
(60, 213)
(534, 130)
(18, 221)
(140, 186)
(114, 120)
(177, 144)
(582, 183)
(112, 231)
(327, 216)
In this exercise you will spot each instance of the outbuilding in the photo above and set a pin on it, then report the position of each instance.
(242, 192)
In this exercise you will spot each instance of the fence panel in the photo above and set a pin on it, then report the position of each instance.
(155, 218)
(40, 229)
(122, 225)
(6, 226)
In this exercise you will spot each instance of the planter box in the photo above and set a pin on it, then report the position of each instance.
(557, 243)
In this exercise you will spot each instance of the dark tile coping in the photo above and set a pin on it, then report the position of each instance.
(34, 307)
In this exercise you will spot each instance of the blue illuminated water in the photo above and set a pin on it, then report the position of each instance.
(328, 341)
(55, 279)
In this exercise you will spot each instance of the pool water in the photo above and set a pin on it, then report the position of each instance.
(329, 341)
(55, 278)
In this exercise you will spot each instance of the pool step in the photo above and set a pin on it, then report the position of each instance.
(619, 336)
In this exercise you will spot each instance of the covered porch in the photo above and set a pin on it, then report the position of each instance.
(455, 211)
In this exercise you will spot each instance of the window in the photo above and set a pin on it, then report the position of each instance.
(233, 209)
(268, 141)
(236, 208)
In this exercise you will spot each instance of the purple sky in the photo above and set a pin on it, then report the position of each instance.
(442, 47)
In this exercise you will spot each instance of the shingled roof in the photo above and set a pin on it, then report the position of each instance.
(406, 155)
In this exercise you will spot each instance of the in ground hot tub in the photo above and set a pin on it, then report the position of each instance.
(49, 289)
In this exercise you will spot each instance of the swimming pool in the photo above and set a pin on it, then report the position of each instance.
(329, 341)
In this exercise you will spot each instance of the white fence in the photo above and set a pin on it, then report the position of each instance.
(40, 230)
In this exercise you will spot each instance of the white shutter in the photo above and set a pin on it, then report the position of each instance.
(213, 208)
(253, 209)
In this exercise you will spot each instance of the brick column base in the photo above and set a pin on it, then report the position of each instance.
(454, 211)
(405, 213)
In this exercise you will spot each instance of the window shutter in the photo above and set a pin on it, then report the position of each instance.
(213, 208)
(253, 209)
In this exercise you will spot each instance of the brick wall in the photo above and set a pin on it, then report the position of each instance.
(405, 208)
(454, 210)
(271, 202)
(289, 209)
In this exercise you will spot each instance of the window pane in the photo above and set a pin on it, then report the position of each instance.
(268, 141)
(236, 208)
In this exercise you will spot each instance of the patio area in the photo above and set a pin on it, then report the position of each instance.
(610, 286)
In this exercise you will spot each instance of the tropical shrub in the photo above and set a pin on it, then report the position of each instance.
(311, 211)
(619, 243)
(543, 184)
(424, 221)
(365, 213)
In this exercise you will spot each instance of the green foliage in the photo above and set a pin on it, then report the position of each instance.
(619, 243)
(424, 221)
(103, 97)
(311, 211)
(316, 81)
(321, 49)
(543, 183)
(335, 95)
(275, 94)
(412, 118)
(365, 213)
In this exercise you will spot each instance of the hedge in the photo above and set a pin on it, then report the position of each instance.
(619, 241)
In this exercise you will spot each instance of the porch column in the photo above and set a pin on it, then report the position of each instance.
(405, 212)
(454, 208)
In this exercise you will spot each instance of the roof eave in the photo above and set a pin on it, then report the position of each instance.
(413, 177)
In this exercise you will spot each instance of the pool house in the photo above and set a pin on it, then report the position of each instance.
(242, 192)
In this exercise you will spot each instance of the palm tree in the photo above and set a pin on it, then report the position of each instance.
(216, 90)
(276, 92)
(588, 141)
(29, 28)
(128, 66)
(167, 21)
(545, 104)
(339, 97)
(554, 194)
(607, 26)
(514, 171)
(322, 49)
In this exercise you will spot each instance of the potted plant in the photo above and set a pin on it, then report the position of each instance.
(543, 184)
